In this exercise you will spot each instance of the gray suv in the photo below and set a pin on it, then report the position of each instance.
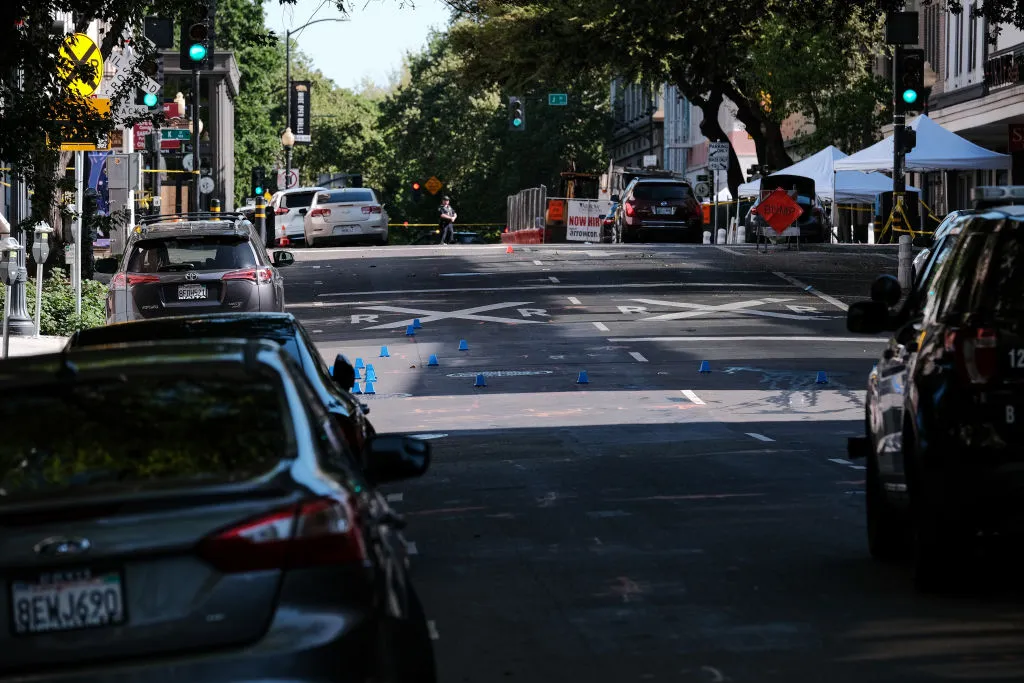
(188, 264)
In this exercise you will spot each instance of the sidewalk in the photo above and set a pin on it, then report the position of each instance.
(32, 346)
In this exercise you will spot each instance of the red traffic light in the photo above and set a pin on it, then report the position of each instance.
(416, 186)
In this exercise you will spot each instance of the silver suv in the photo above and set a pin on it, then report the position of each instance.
(187, 264)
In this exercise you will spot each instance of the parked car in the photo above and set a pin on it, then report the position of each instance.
(961, 446)
(290, 208)
(332, 383)
(658, 207)
(188, 264)
(196, 515)
(351, 214)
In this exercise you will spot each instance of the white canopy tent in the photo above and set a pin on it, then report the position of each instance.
(937, 149)
(853, 187)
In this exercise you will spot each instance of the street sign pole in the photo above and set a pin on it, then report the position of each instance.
(76, 262)
(714, 194)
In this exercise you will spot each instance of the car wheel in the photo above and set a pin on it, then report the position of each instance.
(405, 650)
(887, 528)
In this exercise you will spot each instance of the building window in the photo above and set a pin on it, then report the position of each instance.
(959, 49)
(972, 38)
(931, 36)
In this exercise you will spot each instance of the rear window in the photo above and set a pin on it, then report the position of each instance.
(993, 275)
(297, 200)
(143, 431)
(205, 252)
(661, 192)
(350, 196)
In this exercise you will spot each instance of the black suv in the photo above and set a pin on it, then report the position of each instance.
(954, 465)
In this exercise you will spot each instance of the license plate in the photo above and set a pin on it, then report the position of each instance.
(345, 229)
(192, 292)
(67, 601)
(664, 210)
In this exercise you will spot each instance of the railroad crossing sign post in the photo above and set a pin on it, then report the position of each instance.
(433, 185)
(718, 160)
(80, 50)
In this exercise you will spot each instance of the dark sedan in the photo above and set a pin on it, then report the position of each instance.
(195, 515)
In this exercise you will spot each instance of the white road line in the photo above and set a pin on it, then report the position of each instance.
(317, 331)
(745, 338)
(528, 288)
(727, 250)
(601, 326)
(432, 630)
(694, 398)
(318, 282)
(811, 290)
(574, 301)
(553, 279)
(411, 549)
(638, 357)
(840, 461)
(537, 262)
(395, 497)
(759, 437)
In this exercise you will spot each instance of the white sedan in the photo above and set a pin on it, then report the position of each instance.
(352, 214)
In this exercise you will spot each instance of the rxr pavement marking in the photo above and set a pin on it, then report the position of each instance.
(695, 310)
(428, 316)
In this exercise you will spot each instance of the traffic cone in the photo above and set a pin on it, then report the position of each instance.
(371, 374)
(463, 346)
(360, 364)
(704, 367)
(416, 324)
(410, 331)
(433, 361)
(384, 353)
(480, 381)
(582, 379)
(822, 378)
(369, 388)
(509, 250)
(356, 389)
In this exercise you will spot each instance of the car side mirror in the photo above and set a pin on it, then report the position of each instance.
(867, 317)
(283, 258)
(615, 197)
(886, 290)
(394, 458)
(343, 372)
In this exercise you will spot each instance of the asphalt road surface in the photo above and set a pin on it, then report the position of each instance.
(656, 523)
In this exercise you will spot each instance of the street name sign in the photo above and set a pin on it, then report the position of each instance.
(175, 134)
(558, 99)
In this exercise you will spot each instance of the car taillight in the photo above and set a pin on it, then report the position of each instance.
(316, 533)
(371, 209)
(976, 352)
(630, 208)
(254, 274)
(280, 211)
(320, 212)
(118, 281)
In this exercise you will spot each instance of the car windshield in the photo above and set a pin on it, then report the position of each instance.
(142, 430)
(341, 196)
(202, 252)
(657, 192)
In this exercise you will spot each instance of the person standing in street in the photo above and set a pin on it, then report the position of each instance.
(448, 217)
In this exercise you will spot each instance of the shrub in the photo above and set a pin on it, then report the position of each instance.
(57, 316)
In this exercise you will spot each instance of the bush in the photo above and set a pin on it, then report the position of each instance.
(57, 316)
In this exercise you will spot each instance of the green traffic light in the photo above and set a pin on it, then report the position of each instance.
(517, 122)
(149, 99)
(259, 190)
(910, 96)
(197, 52)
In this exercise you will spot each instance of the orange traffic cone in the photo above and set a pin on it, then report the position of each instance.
(509, 249)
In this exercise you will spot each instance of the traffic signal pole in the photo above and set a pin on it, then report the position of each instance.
(196, 164)
(899, 122)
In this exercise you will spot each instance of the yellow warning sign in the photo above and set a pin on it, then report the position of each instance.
(80, 50)
(77, 140)
(434, 185)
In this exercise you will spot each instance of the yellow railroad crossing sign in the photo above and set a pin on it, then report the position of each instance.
(433, 185)
(79, 49)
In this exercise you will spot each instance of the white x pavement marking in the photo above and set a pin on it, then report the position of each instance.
(735, 307)
(463, 314)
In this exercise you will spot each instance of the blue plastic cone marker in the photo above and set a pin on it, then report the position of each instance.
(433, 361)
(583, 379)
(369, 388)
(360, 364)
(384, 353)
(371, 374)
(410, 331)
(822, 378)
(356, 389)
(704, 366)
(330, 371)
(416, 324)
(463, 346)
(480, 381)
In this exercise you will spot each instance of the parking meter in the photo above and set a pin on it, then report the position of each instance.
(41, 242)
(9, 248)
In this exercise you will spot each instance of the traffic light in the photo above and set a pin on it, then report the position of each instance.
(516, 114)
(197, 36)
(908, 80)
(909, 140)
(417, 191)
(259, 181)
(154, 68)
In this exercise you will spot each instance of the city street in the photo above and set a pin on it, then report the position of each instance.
(657, 523)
